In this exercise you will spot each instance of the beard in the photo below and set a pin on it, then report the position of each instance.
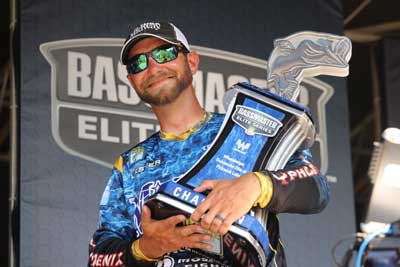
(168, 92)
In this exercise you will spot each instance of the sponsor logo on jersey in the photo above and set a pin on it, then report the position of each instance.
(167, 261)
(199, 262)
(285, 177)
(136, 154)
(141, 169)
(106, 260)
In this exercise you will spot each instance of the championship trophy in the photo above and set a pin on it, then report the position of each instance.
(261, 130)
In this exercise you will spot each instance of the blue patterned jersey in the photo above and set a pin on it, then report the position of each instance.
(138, 173)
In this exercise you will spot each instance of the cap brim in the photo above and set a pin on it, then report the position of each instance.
(128, 45)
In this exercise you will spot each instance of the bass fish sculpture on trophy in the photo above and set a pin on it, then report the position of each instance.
(267, 124)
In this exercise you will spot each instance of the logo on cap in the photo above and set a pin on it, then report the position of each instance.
(146, 26)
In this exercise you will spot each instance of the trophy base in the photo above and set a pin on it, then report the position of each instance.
(239, 247)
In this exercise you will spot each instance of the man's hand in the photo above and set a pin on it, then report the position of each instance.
(228, 201)
(163, 236)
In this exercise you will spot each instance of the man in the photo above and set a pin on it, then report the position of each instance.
(160, 67)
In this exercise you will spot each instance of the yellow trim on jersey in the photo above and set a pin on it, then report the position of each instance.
(185, 135)
(137, 252)
(266, 190)
(119, 163)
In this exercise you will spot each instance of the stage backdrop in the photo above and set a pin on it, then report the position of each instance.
(391, 95)
(78, 111)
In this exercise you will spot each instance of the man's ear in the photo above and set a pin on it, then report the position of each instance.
(193, 61)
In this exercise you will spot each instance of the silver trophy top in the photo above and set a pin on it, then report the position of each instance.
(300, 55)
(306, 54)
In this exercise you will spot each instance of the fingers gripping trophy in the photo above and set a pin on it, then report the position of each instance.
(261, 130)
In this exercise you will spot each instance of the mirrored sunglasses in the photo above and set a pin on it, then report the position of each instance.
(162, 54)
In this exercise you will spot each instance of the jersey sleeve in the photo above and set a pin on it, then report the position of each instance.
(111, 243)
(299, 187)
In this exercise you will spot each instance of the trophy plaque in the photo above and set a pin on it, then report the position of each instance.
(261, 130)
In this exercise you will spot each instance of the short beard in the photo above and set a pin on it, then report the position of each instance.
(161, 99)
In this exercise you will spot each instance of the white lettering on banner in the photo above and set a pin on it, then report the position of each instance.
(126, 93)
(79, 81)
(125, 132)
(85, 124)
(98, 128)
(105, 135)
(104, 80)
(79, 69)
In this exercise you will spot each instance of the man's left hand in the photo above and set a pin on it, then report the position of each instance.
(228, 201)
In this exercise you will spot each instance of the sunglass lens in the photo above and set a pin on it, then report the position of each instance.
(163, 55)
(137, 64)
(141, 63)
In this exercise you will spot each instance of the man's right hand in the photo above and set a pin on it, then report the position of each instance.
(163, 236)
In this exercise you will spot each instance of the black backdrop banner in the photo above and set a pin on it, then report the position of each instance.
(78, 111)
(391, 90)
